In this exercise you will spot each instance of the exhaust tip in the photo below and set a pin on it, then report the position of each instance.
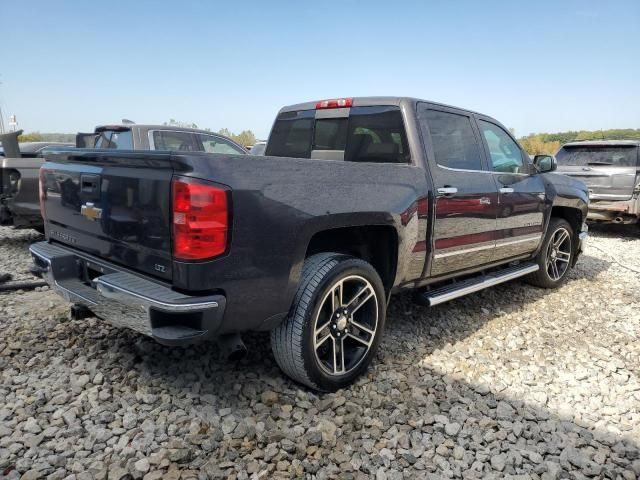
(232, 348)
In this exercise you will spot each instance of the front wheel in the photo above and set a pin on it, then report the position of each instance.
(335, 322)
(555, 256)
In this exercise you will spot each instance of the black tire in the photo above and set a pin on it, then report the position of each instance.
(294, 341)
(546, 276)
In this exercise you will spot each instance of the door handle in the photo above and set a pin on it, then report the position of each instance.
(506, 190)
(447, 191)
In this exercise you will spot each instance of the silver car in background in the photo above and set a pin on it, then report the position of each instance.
(611, 171)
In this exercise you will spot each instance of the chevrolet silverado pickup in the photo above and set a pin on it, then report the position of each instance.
(354, 200)
(19, 203)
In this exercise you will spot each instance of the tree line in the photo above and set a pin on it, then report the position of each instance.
(534, 144)
(550, 143)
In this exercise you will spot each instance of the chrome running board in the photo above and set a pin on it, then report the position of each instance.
(474, 284)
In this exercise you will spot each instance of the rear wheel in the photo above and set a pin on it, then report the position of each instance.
(555, 256)
(335, 322)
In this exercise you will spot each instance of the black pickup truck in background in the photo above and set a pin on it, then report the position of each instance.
(355, 199)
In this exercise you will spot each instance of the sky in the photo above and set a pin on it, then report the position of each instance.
(540, 66)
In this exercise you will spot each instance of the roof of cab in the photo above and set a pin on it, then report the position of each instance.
(603, 143)
(371, 101)
(130, 126)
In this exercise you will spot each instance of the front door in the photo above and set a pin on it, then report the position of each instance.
(466, 195)
(521, 193)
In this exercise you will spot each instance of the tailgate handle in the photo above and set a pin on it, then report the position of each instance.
(89, 183)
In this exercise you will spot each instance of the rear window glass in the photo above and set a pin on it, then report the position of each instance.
(369, 134)
(291, 135)
(594, 156)
(118, 139)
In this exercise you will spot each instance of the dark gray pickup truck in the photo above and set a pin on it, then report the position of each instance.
(355, 199)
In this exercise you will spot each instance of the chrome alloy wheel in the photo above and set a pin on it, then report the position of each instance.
(345, 325)
(558, 254)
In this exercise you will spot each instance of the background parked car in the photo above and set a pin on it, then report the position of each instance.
(19, 201)
(611, 170)
(258, 148)
(161, 137)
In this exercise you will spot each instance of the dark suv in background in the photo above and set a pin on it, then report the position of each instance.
(611, 171)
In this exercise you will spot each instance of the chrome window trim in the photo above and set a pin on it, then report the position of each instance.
(491, 172)
(466, 250)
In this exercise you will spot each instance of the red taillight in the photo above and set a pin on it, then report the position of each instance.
(200, 219)
(335, 103)
(43, 191)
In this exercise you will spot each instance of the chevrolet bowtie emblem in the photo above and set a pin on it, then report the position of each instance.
(92, 213)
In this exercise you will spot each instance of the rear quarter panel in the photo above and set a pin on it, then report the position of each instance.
(278, 205)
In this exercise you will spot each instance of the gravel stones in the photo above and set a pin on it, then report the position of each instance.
(512, 382)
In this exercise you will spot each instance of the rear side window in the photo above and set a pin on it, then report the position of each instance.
(175, 141)
(117, 139)
(215, 144)
(377, 134)
(593, 156)
(368, 134)
(454, 143)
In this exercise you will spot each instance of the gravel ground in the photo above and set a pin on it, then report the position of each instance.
(512, 382)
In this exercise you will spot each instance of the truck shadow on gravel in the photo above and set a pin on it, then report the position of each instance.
(627, 233)
(407, 323)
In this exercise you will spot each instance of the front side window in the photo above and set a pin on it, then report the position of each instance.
(174, 141)
(215, 144)
(116, 139)
(506, 156)
(454, 143)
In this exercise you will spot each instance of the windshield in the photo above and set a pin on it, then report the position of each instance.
(368, 134)
(616, 156)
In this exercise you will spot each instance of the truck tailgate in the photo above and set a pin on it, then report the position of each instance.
(116, 206)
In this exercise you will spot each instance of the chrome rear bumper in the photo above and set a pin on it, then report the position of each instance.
(128, 300)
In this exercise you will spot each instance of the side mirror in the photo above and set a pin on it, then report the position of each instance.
(545, 163)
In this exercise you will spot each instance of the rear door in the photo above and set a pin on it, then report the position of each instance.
(466, 194)
(521, 193)
(610, 172)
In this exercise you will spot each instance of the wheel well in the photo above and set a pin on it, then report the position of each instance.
(571, 215)
(376, 244)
